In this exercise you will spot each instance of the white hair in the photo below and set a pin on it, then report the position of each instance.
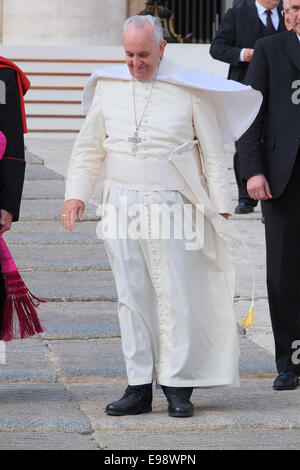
(138, 21)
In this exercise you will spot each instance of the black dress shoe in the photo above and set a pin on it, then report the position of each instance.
(243, 208)
(179, 401)
(286, 381)
(136, 399)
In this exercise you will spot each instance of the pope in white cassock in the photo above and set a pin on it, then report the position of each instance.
(161, 131)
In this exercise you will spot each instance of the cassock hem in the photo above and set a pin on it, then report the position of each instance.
(140, 381)
(205, 383)
(199, 383)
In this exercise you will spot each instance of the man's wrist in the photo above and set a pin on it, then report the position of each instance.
(246, 178)
(242, 58)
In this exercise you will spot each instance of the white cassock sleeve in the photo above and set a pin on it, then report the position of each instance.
(214, 162)
(88, 153)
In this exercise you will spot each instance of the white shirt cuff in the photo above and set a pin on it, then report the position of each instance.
(242, 55)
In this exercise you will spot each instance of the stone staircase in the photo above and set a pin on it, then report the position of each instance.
(54, 387)
(53, 103)
(58, 76)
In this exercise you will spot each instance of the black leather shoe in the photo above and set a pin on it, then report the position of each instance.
(243, 208)
(286, 381)
(137, 399)
(179, 401)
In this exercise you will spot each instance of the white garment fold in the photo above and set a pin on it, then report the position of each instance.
(236, 105)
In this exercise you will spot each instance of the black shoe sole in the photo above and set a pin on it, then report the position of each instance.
(287, 387)
(126, 413)
(244, 212)
(180, 415)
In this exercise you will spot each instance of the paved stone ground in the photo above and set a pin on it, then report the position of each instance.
(54, 387)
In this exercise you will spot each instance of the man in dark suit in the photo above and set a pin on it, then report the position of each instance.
(234, 44)
(270, 159)
(12, 165)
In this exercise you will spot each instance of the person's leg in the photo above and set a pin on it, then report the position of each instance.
(245, 205)
(283, 274)
(136, 309)
(197, 328)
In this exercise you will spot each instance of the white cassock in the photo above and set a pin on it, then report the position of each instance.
(176, 315)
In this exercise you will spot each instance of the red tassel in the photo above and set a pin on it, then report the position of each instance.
(19, 317)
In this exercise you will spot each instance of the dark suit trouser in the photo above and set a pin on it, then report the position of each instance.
(243, 195)
(282, 224)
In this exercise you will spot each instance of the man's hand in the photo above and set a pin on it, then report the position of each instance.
(5, 221)
(258, 188)
(71, 210)
(248, 55)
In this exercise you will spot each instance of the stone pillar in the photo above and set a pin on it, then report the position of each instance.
(63, 22)
(135, 7)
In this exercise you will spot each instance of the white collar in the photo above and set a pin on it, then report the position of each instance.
(261, 10)
(298, 37)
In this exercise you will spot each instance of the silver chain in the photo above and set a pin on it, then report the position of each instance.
(137, 125)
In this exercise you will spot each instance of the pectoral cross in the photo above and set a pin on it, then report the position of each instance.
(135, 140)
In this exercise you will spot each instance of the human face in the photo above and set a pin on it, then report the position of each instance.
(294, 14)
(286, 12)
(143, 53)
(269, 4)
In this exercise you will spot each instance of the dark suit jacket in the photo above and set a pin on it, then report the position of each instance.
(12, 166)
(240, 3)
(271, 144)
(240, 28)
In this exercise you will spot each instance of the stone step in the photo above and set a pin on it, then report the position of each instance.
(50, 123)
(55, 440)
(54, 108)
(71, 286)
(79, 320)
(215, 430)
(43, 232)
(41, 172)
(32, 159)
(41, 408)
(27, 361)
(96, 359)
(254, 405)
(59, 257)
(99, 285)
(86, 361)
(54, 95)
(85, 232)
(184, 440)
(57, 81)
(54, 259)
(50, 189)
(45, 209)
